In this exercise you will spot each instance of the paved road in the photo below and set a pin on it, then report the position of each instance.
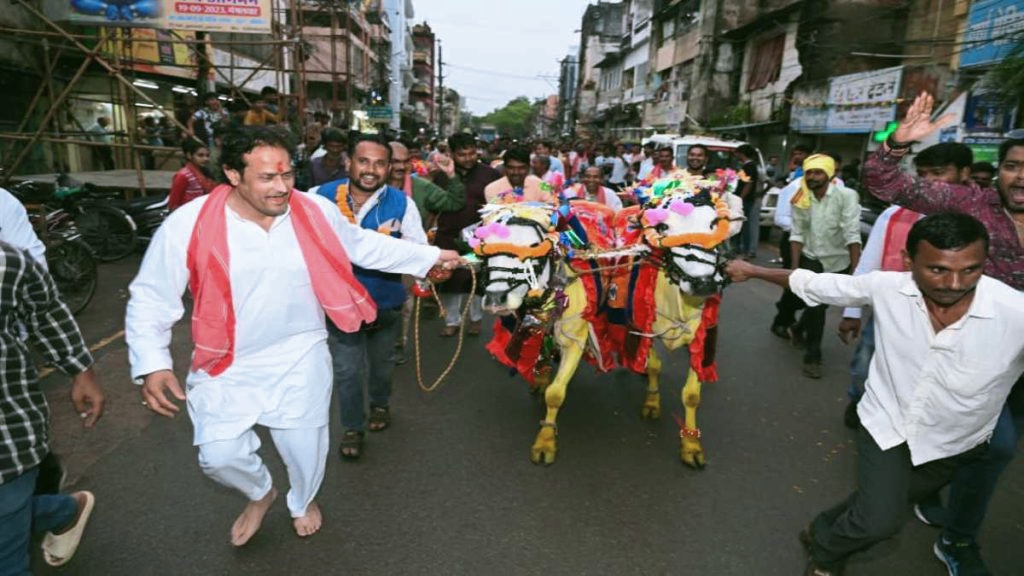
(449, 488)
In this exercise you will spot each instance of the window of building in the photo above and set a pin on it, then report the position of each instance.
(766, 62)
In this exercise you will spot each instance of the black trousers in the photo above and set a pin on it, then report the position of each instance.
(888, 485)
(784, 251)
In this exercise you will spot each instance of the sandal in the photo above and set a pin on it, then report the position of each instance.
(474, 328)
(351, 447)
(59, 548)
(449, 331)
(380, 418)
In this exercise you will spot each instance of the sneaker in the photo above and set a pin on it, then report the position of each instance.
(961, 558)
(812, 370)
(930, 512)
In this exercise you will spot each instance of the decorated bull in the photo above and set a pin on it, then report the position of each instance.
(581, 282)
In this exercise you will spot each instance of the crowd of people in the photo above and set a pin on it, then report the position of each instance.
(295, 291)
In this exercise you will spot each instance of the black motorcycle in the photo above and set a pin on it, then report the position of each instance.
(148, 213)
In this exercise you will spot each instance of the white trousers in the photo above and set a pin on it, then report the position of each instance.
(235, 464)
(453, 308)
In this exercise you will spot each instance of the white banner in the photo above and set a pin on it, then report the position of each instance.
(863, 102)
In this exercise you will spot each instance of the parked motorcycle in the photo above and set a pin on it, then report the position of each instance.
(68, 257)
(148, 213)
(106, 228)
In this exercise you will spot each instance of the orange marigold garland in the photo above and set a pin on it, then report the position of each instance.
(341, 198)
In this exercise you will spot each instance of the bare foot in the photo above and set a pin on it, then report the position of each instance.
(310, 523)
(251, 518)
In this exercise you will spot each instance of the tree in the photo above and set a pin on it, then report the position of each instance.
(514, 119)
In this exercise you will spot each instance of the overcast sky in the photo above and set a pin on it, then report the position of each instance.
(495, 51)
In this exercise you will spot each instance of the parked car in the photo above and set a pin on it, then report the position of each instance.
(720, 151)
(769, 203)
(720, 155)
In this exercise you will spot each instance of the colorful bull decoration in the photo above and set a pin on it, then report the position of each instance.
(581, 282)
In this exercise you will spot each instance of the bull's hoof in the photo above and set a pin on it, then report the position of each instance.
(542, 456)
(692, 454)
(651, 411)
(544, 447)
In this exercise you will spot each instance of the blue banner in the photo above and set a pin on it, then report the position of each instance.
(993, 26)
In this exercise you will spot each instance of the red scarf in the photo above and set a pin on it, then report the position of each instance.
(213, 317)
(896, 232)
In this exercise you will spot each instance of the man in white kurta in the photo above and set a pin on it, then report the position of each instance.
(280, 376)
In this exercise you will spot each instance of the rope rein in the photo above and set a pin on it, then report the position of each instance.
(458, 347)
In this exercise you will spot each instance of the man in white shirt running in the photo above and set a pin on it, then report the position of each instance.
(264, 264)
(949, 348)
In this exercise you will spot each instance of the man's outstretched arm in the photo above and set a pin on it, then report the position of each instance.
(741, 271)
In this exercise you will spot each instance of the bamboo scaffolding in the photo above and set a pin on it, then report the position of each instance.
(115, 54)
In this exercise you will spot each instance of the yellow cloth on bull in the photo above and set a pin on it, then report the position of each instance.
(802, 198)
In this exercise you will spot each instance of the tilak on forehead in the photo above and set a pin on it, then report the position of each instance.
(281, 168)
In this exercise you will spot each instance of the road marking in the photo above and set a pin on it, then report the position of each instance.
(97, 346)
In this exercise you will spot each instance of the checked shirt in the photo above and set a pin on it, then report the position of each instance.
(29, 302)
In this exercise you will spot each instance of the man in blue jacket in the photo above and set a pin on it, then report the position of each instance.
(366, 200)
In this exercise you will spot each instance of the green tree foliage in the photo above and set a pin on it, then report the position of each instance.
(514, 119)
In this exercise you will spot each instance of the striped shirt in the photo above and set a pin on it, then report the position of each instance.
(28, 297)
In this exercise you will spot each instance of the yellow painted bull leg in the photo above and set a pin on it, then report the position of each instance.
(691, 452)
(570, 334)
(546, 444)
(652, 403)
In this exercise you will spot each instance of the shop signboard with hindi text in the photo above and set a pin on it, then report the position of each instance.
(241, 16)
(863, 102)
(992, 28)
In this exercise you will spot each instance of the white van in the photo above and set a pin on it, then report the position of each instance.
(720, 155)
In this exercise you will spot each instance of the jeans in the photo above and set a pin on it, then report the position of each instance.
(861, 361)
(752, 227)
(453, 304)
(887, 484)
(370, 348)
(21, 513)
(975, 482)
(746, 241)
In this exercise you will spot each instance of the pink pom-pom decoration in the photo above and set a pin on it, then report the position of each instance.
(682, 208)
(655, 216)
(493, 229)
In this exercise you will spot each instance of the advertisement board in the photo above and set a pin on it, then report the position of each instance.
(863, 102)
(852, 104)
(155, 51)
(244, 16)
(992, 28)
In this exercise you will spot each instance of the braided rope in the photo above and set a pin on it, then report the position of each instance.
(458, 347)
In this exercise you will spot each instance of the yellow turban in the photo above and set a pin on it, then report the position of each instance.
(802, 198)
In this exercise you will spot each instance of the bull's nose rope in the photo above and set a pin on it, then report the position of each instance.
(458, 346)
